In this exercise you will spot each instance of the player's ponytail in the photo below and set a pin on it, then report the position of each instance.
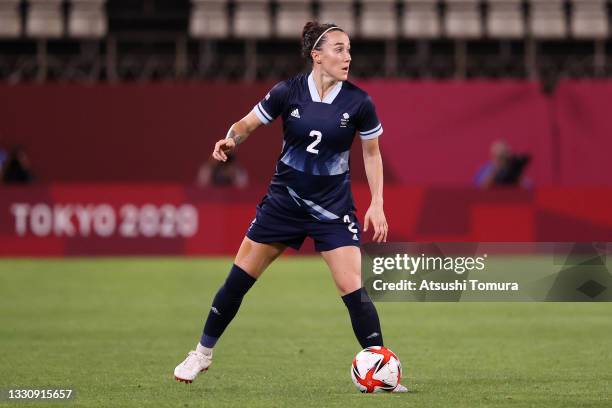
(313, 36)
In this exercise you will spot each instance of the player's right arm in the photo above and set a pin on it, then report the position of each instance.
(268, 109)
(236, 134)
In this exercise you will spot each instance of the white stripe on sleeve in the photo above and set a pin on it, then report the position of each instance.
(266, 114)
(371, 134)
(260, 115)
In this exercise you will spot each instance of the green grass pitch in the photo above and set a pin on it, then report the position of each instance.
(114, 329)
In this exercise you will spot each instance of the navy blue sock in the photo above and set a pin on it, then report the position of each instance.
(225, 305)
(364, 318)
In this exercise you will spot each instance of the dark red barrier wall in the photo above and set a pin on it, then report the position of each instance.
(441, 133)
(584, 114)
(130, 132)
(173, 219)
(435, 133)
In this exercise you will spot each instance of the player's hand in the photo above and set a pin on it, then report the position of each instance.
(376, 216)
(222, 148)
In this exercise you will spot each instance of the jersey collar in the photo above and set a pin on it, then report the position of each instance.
(331, 95)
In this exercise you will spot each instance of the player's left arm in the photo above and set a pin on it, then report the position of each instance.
(374, 171)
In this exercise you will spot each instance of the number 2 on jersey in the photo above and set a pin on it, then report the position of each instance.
(318, 135)
(351, 227)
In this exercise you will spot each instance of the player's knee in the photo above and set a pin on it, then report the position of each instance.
(348, 284)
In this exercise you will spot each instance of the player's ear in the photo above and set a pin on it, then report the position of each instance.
(316, 57)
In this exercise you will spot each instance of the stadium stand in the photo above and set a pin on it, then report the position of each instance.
(45, 19)
(340, 12)
(209, 19)
(87, 19)
(257, 39)
(547, 19)
(10, 21)
(505, 19)
(589, 19)
(252, 19)
(463, 19)
(420, 19)
(378, 19)
(290, 17)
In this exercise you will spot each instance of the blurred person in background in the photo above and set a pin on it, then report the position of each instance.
(504, 169)
(310, 193)
(227, 173)
(17, 167)
(3, 157)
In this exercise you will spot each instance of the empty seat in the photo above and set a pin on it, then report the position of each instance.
(87, 19)
(378, 19)
(589, 19)
(505, 19)
(10, 21)
(462, 19)
(252, 19)
(547, 19)
(420, 19)
(340, 12)
(45, 19)
(291, 17)
(209, 19)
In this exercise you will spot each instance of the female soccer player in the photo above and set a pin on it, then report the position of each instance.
(310, 192)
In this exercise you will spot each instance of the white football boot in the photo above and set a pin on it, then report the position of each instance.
(400, 388)
(193, 365)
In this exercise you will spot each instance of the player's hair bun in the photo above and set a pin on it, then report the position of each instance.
(312, 30)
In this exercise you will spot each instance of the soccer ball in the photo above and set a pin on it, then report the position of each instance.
(376, 369)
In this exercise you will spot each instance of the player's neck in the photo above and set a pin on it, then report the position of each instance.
(324, 83)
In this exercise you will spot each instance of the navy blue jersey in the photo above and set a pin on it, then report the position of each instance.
(313, 167)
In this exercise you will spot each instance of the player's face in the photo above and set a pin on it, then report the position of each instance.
(335, 55)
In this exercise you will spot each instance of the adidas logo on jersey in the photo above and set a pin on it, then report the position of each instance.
(295, 113)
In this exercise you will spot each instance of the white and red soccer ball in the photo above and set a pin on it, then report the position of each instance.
(376, 369)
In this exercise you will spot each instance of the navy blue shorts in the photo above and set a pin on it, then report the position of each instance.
(274, 225)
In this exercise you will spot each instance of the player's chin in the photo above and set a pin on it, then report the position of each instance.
(344, 74)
